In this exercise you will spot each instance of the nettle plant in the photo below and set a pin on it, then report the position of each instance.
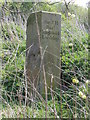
(74, 50)
(81, 91)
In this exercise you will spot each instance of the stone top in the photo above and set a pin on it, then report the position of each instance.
(53, 13)
(46, 12)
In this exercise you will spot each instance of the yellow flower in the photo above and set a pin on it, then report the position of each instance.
(80, 94)
(70, 44)
(75, 81)
(69, 14)
(73, 15)
(84, 96)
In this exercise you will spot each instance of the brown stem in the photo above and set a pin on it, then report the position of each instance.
(42, 65)
(55, 112)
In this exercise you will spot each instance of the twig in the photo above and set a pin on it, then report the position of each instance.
(55, 112)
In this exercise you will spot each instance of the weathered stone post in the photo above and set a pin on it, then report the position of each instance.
(43, 34)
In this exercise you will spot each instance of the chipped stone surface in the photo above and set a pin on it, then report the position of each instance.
(50, 34)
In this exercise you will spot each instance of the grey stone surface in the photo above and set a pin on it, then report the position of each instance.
(50, 36)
